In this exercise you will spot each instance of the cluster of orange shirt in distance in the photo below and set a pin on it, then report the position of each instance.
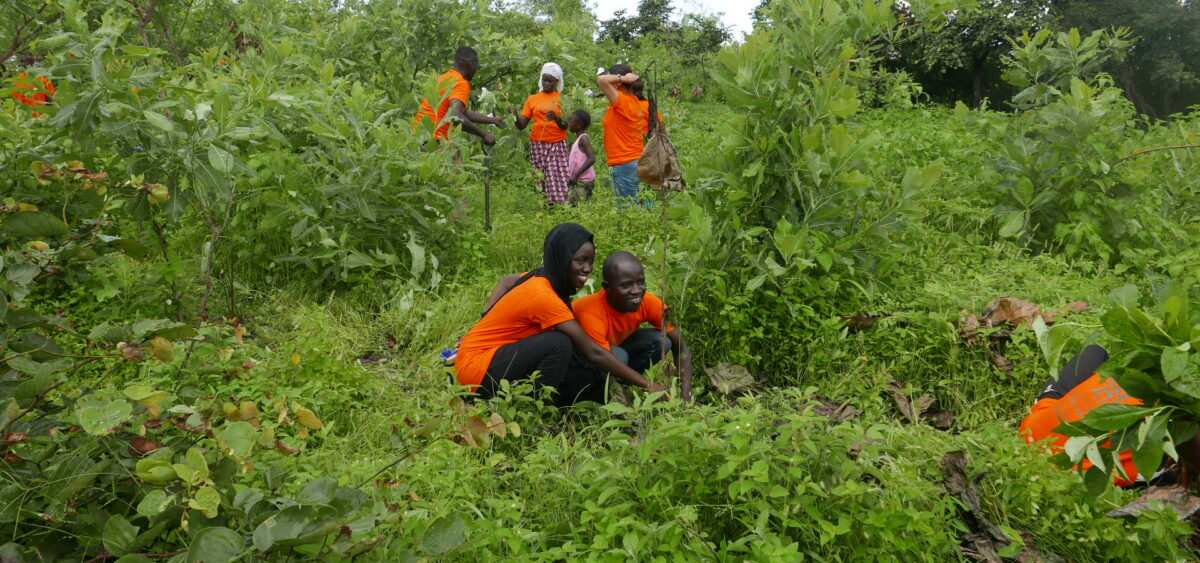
(39, 98)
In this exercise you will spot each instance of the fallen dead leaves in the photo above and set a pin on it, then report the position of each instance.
(919, 409)
(1005, 314)
(985, 541)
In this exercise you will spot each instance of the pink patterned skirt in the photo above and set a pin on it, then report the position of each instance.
(551, 159)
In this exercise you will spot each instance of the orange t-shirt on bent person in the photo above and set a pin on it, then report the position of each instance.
(623, 124)
(460, 89)
(526, 310)
(544, 130)
(609, 327)
(1047, 414)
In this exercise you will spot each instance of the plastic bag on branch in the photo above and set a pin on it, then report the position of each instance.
(659, 165)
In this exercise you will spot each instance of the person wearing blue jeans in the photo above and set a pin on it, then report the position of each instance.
(624, 122)
(642, 349)
(625, 183)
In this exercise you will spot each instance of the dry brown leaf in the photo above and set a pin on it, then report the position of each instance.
(497, 425)
(1002, 363)
(968, 325)
(1175, 496)
(836, 412)
(1010, 310)
(286, 449)
(1078, 306)
(307, 418)
(730, 378)
(859, 322)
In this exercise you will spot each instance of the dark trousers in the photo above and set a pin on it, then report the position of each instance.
(642, 349)
(547, 354)
(551, 355)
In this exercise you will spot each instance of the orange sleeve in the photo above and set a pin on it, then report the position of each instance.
(461, 92)
(596, 326)
(527, 109)
(653, 307)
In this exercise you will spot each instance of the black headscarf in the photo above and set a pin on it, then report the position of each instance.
(561, 245)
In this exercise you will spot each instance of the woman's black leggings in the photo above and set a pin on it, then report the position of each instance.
(551, 355)
(547, 353)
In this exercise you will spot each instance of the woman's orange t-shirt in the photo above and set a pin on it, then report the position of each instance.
(528, 309)
(623, 125)
(1047, 414)
(460, 89)
(544, 130)
(609, 327)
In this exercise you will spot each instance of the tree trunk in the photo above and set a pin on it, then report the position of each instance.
(1130, 85)
(977, 85)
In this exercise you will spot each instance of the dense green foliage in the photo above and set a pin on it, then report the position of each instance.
(229, 261)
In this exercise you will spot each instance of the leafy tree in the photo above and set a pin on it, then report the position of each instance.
(1162, 73)
(969, 48)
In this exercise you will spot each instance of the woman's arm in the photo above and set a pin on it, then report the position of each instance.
(602, 358)
(608, 84)
(501, 288)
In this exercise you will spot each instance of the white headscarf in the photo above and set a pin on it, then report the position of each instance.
(553, 70)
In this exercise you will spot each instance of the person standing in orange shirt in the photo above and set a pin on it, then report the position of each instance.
(612, 318)
(548, 136)
(454, 86)
(623, 125)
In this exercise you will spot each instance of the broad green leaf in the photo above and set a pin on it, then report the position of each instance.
(145, 395)
(1115, 416)
(155, 502)
(34, 225)
(1137, 384)
(1148, 456)
(1174, 364)
(99, 419)
(118, 534)
(1013, 224)
(158, 120)
(220, 159)
(30, 366)
(216, 545)
(237, 439)
(206, 500)
(320, 491)
(1126, 296)
(295, 525)
(445, 534)
(155, 471)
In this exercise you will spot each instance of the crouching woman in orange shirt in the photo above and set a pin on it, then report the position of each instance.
(529, 327)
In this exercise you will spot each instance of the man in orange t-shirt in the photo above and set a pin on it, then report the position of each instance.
(1070, 397)
(613, 317)
(455, 88)
(623, 125)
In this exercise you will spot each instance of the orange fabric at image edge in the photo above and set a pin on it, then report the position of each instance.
(1049, 413)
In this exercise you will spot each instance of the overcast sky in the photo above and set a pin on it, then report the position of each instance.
(736, 14)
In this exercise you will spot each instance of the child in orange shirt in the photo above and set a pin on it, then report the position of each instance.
(548, 136)
(612, 318)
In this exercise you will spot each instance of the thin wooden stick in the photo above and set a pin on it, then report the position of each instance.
(1144, 151)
